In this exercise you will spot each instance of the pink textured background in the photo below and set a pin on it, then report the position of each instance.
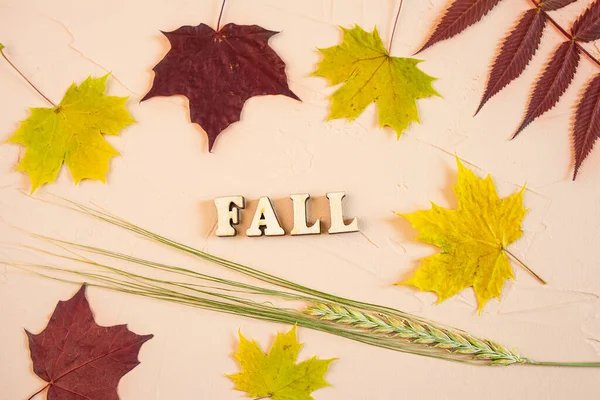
(165, 180)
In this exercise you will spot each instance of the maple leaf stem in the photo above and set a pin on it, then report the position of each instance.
(27, 80)
(565, 33)
(221, 15)
(539, 278)
(395, 25)
(38, 392)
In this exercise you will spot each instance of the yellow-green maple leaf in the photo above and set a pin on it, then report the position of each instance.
(372, 75)
(72, 133)
(276, 375)
(473, 239)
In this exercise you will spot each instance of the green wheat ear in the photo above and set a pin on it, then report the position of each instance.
(414, 332)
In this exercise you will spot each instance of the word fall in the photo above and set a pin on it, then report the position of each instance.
(265, 221)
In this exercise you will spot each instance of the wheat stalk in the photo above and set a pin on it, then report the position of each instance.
(371, 324)
(419, 334)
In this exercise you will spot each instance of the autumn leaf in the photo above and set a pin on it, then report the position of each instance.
(586, 130)
(370, 75)
(519, 47)
(218, 71)
(473, 240)
(555, 80)
(587, 27)
(276, 375)
(71, 133)
(517, 50)
(80, 359)
(459, 16)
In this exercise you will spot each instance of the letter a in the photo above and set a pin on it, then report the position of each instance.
(265, 220)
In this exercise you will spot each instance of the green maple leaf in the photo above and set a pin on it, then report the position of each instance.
(71, 133)
(372, 75)
(276, 375)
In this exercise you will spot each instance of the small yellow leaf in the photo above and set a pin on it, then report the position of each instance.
(72, 133)
(472, 239)
(276, 375)
(370, 75)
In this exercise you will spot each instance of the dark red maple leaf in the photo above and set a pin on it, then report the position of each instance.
(80, 359)
(587, 27)
(517, 50)
(459, 16)
(218, 71)
(551, 85)
(587, 123)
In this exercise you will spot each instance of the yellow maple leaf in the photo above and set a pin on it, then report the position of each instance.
(72, 133)
(371, 75)
(473, 239)
(276, 375)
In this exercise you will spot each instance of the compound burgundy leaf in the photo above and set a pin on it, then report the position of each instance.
(80, 359)
(551, 5)
(555, 79)
(587, 123)
(515, 53)
(587, 27)
(219, 71)
(459, 16)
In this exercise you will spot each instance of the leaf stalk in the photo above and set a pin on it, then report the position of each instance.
(395, 25)
(539, 278)
(24, 77)
(38, 392)
(220, 16)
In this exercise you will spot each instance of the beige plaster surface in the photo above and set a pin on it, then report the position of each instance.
(165, 180)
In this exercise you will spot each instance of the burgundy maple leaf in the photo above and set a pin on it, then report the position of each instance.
(459, 16)
(552, 83)
(218, 71)
(516, 52)
(80, 359)
(587, 26)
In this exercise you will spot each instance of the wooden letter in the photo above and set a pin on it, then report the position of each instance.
(300, 227)
(337, 215)
(228, 214)
(265, 220)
